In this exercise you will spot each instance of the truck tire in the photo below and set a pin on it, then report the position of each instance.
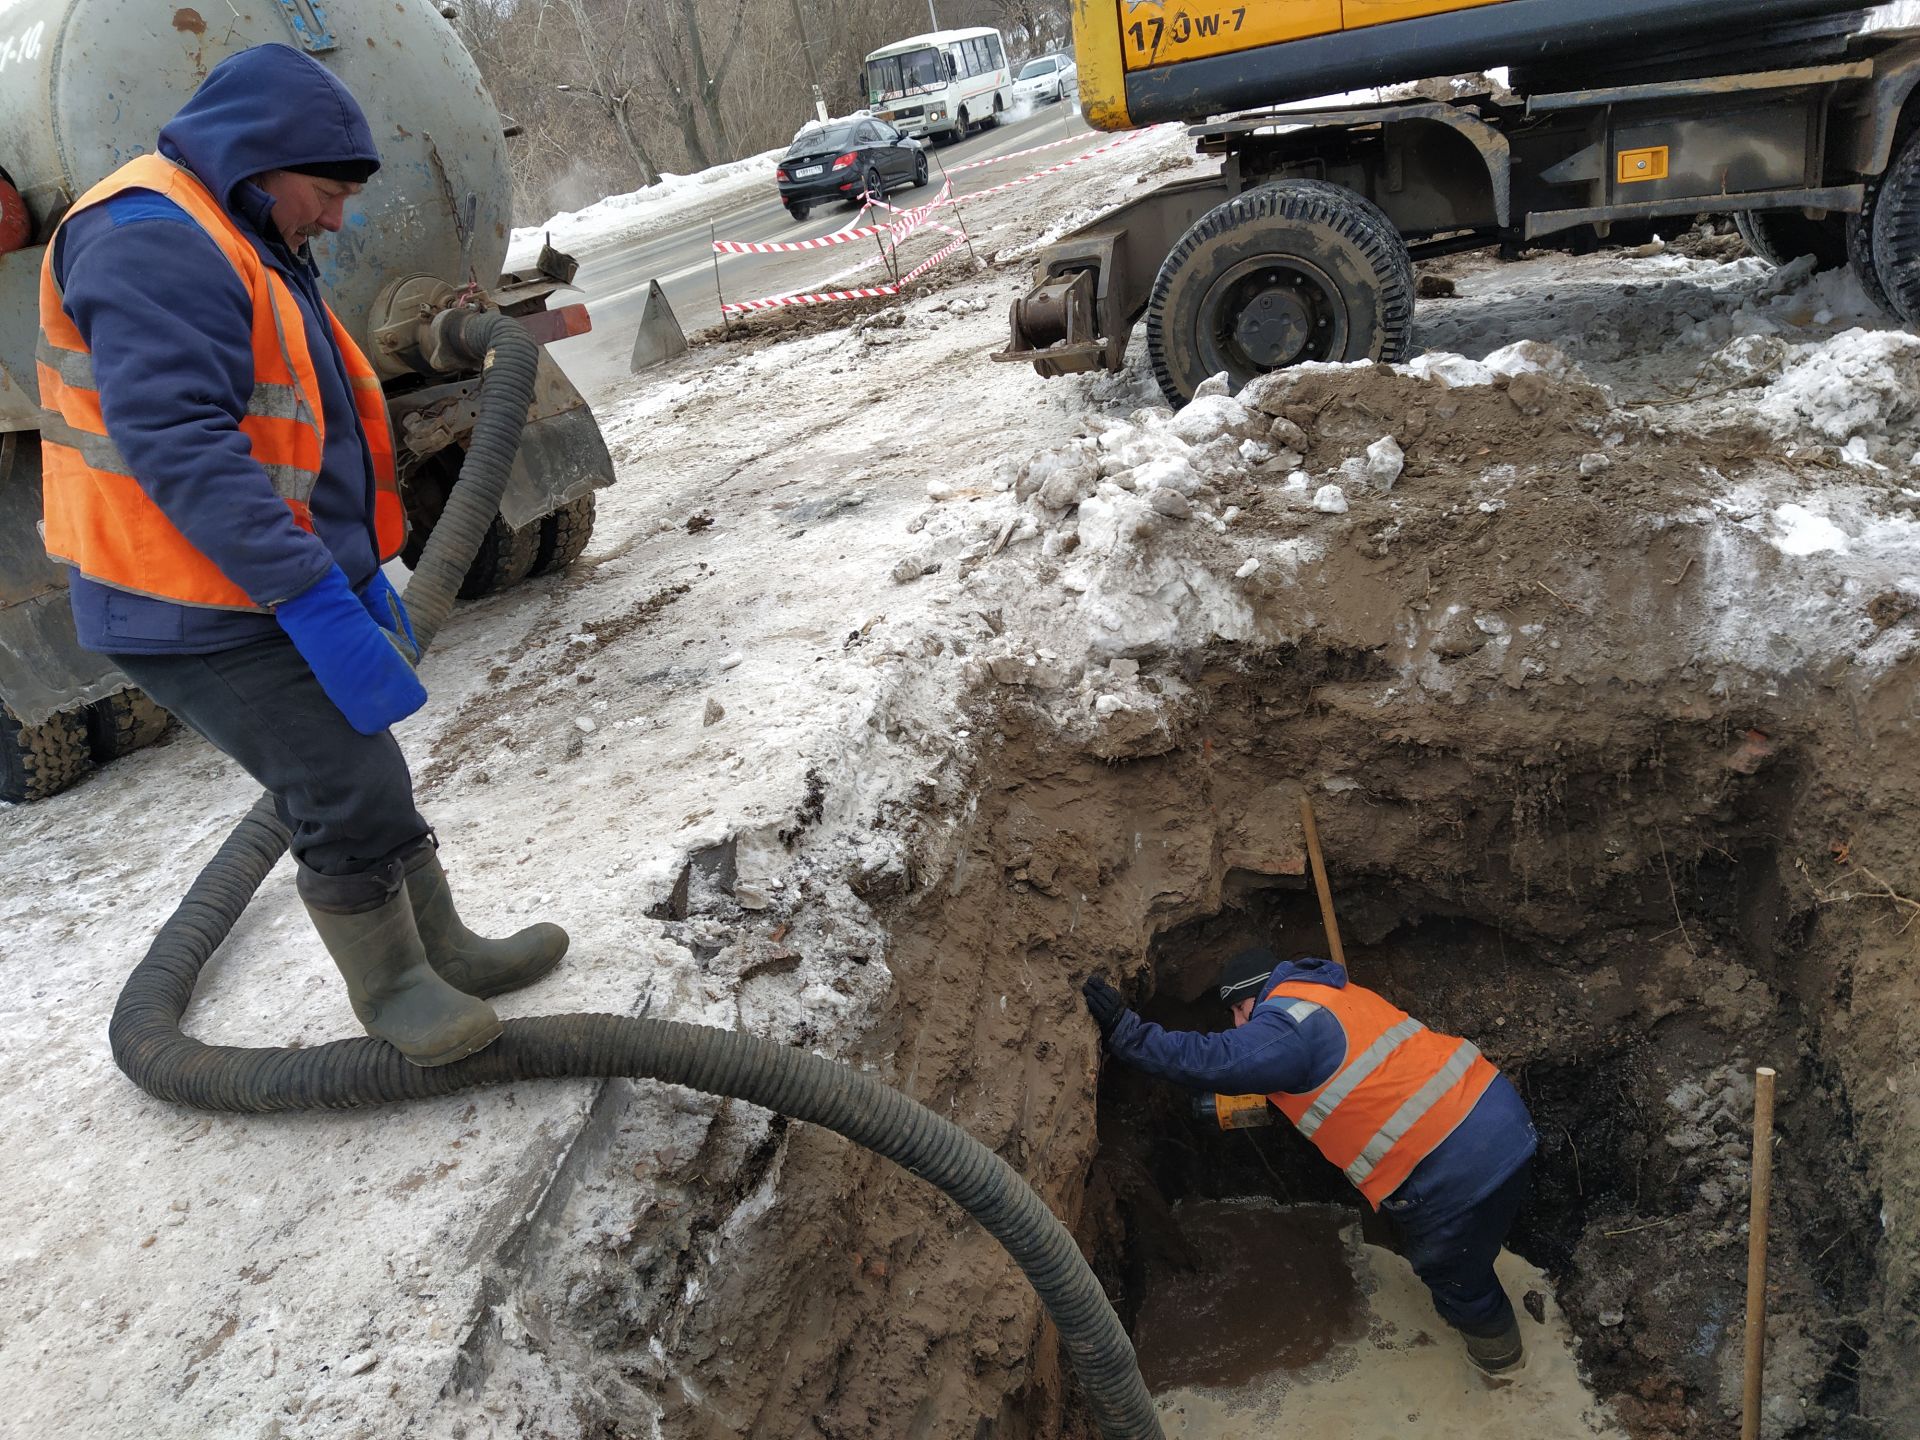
(41, 760)
(1891, 224)
(122, 723)
(1860, 249)
(564, 535)
(1292, 271)
(1780, 237)
(505, 557)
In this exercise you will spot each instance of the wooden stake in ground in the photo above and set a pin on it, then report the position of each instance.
(1320, 881)
(1757, 1251)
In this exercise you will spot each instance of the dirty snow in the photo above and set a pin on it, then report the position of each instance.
(1405, 1377)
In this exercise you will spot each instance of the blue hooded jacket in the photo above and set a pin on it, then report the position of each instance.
(1274, 1052)
(170, 327)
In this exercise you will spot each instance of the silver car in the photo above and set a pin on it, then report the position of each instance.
(1049, 78)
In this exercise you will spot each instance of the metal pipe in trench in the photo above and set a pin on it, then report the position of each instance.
(151, 1048)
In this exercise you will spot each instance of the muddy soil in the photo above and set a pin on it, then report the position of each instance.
(1595, 889)
(1289, 1324)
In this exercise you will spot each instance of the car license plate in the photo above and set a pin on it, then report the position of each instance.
(805, 170)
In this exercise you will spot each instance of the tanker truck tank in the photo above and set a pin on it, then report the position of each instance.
(86, 85)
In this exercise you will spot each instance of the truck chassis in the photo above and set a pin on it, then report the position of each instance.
(1300, 247)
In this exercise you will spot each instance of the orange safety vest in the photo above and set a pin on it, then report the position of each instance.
(97, 516)
(1400, 1091)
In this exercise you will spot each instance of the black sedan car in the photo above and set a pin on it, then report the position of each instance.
(845, 159)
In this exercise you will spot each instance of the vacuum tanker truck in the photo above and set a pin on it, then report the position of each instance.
(86, 85)
(1792, 115)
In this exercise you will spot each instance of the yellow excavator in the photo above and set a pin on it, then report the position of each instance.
(1792, 115)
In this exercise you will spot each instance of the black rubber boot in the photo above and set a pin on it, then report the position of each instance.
(1496, 1354)
(368, 928)
(467, 961)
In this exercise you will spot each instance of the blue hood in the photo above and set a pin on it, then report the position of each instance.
(268, 108)
(1308, 972)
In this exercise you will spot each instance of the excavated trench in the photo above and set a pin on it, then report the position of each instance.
(1612, 899)
(1627, 897)
(1607, 780)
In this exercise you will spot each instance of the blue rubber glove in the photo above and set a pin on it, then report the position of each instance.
(389, 612)
(356, 663)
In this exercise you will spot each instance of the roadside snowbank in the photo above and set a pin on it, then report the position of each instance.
(676, 200)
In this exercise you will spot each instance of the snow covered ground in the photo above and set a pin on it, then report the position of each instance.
(821, 546)
(677, 200)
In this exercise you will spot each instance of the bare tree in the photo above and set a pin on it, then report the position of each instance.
(611, 87)
(605, 93)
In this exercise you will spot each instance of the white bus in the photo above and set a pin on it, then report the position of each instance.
(946, 83)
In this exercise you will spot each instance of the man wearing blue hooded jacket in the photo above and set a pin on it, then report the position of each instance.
(225, 533)
(1428, 1131)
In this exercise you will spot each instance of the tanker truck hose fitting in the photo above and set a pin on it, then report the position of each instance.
(159, 1057)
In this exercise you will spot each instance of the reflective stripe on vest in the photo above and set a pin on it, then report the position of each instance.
(1296, 1011)
(98, 517)
(1400, 1090)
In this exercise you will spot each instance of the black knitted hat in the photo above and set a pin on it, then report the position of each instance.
(357, 172)
(1246, 972)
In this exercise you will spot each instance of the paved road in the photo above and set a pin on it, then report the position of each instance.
(614, 281)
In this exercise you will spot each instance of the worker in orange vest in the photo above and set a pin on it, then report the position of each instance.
(1422, 1124)
(219, 478)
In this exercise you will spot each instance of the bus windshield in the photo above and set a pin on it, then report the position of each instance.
(893, 76)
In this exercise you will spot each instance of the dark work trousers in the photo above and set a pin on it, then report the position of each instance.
(347, 797)
(1454, 1253)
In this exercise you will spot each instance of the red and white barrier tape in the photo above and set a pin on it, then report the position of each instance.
(945, 197)
(864, 292)
(920, 215)
(898, 229)
(1084, 156)
(1012, 155)
(932, 260)
(901, 228)
(776, 302)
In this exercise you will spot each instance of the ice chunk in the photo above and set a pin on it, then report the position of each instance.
(1449, 371)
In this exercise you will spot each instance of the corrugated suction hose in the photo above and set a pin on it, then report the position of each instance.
(149, 1045)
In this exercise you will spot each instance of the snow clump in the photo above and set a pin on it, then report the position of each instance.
(1858, 383)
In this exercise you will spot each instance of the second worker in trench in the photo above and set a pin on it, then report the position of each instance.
(1420, 1123)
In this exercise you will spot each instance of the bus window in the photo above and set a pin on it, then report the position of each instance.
(895, 76)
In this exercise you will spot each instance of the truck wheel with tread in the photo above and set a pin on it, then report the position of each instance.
(1891, 225)
(41, 760)
(1860, 254)
(1780, 237)
(1287, 272)
(564, 535)
(505, 557)
(122, 723)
